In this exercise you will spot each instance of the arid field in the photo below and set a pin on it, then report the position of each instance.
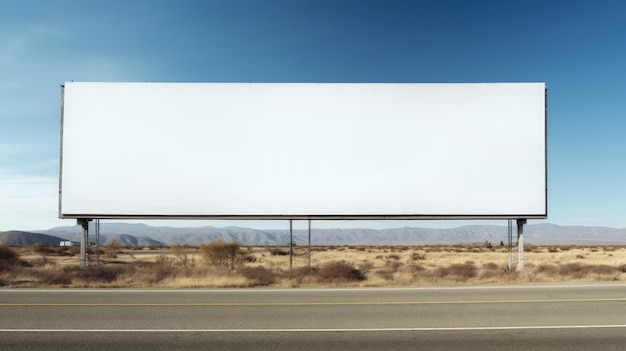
(223, 264)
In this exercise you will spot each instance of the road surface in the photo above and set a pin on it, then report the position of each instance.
(542, 317)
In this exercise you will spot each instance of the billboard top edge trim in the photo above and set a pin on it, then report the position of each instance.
(301, 83)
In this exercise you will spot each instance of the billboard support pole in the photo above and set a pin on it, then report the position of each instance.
(290, 243)
(97, 226)
(510, 246)
(84, 241)
(520, 243)
(309, 244)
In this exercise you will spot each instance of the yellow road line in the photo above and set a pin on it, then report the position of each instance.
(275, 304)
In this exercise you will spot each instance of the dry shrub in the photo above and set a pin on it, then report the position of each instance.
(491, 270)
(386, 274)
(114, 249)
(276, 251)
(366, 267)
(300, 272)
(41, 248)
(547, 269)
(248, 258)
(393, 265)
(92, 274)
(490, 266)
(69, 251)
(152, 272)
(8, 258)
(605, 269)
(418, 256)
(163, 268)
(52, 277)
(340, 272)
(180, 252)
(578, 270)
(298, 276)
(258, 276)
(220, 253)
(415, 269)
(458, 271)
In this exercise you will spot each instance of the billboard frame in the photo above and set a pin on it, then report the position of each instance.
(414, 216)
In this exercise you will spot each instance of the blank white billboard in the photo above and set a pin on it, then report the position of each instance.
(303, 150)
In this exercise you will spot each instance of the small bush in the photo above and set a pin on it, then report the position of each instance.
(220, 253)
(604, 269)
(113, 250)
(300, 272)
(180, 252)
(490, 266)
(41, 248)
(578, 270)
(70, 251)
(53, 277)
(259, 276)
(458, 271)
(163, 268)
(340, 271)
(366, 267)
(8, 258)
(276, 251)
(92, 274)
(394, 265)
(386, 274)
(418, 256)
(249, 259)
(548, 269)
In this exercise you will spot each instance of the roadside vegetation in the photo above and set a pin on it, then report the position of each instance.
(227, 264)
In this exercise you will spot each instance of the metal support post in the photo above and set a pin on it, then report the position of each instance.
(97, 243)
(290, 243)
(520, 243)
(510, 245)
(84, 241)
(309, 243)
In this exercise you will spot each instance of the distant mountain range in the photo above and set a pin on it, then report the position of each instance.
(145, 235)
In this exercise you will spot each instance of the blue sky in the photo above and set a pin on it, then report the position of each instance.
(576, 47)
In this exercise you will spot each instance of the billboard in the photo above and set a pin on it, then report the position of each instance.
(303, 150)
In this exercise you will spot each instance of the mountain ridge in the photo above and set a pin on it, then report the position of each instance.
(138, 234)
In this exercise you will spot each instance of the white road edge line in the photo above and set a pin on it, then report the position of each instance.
(295, 290)
(316, 330)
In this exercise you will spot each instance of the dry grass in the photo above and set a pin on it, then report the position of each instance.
(337, 266)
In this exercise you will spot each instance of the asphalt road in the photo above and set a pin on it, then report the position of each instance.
(544, 317)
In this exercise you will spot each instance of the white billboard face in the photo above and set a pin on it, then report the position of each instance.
(303, 150)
